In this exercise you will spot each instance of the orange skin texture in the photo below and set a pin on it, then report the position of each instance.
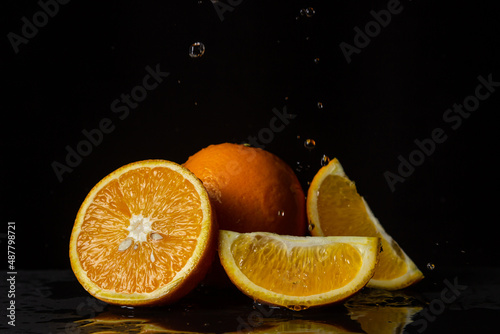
(252, 190)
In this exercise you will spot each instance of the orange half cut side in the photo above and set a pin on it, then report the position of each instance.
(144, 235)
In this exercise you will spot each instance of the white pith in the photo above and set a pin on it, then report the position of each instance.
(139, 228)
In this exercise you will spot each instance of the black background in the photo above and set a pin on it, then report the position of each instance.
(259, 56)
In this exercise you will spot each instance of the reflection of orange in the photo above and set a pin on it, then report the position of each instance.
(334, 207)
(144, 235)
(251, 189)
(297, 326)
(383, 312)
(297, 272)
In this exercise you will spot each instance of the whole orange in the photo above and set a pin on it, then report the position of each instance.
(252, 190)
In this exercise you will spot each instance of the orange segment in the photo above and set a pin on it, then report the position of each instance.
(297, 276)
(297, 272)
(143, 235)
(334, 207)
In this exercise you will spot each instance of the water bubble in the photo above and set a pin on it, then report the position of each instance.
(297, 307)
(310, 12)
(309, 144)
(319, 105)
(196, 50)
(281, 213)
(431, 266)
(325, 160)
(316, 60)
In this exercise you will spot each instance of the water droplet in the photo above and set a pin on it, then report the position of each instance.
(310, 12)
(196, 50)
(320, 105)
(310, 227)
(281, 213)
(302, 12)
(298, 307)
(309, 144)
(316, 60)
(299, 166)
(325, 160)
(431, 266)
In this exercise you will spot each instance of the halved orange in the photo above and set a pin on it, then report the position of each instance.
(297, 272)
(334, 207)
(144, 235)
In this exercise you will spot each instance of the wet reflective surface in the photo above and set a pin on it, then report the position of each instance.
(447, 301)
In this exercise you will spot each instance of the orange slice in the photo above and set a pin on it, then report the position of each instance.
(334, 207)
(144, 235)
(297, 272)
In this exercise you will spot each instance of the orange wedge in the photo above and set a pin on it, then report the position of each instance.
(144, 235)
(334, 207)
(297, 272)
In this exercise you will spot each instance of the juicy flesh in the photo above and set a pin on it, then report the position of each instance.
(159, 211)
(295, 269)
(342, 212)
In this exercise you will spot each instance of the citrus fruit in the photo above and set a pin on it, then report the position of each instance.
(334, 207)
(144, 235)
(297, 272)
(251, 189)
(383, 311)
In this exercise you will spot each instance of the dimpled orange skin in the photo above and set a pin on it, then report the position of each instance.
(252, 190)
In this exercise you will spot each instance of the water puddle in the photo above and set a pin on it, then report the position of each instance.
(54, 302)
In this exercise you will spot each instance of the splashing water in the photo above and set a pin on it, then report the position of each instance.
(196, 50)
(325, 160)
(309, 144)
(310, 12)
